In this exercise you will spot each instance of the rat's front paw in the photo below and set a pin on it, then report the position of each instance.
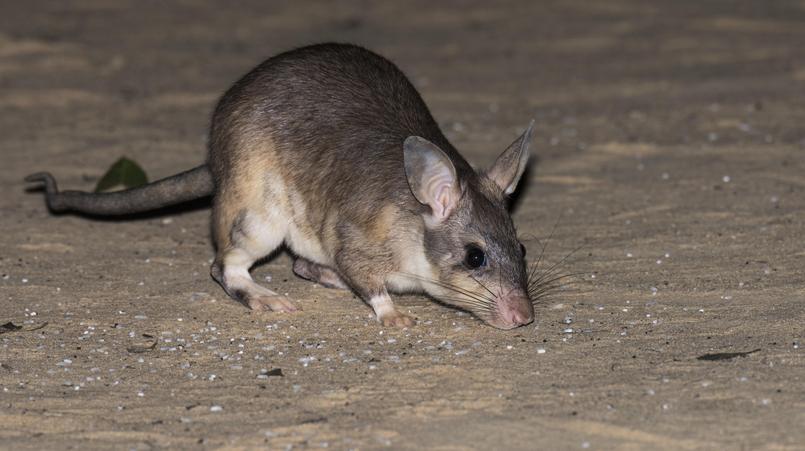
(396, 319)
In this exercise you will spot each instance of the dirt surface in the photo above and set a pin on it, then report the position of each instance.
(670, 140)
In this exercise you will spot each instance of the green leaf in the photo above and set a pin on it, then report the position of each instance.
(124, 174)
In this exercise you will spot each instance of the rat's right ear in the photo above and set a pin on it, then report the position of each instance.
(511, 164)
(431, 176)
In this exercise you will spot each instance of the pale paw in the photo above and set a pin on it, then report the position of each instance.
(272, 303)
(397, 319)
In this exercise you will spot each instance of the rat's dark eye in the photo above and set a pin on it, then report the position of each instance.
(475, 257)
(522, 249)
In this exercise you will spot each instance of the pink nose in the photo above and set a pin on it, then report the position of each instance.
(516, 317)
(516, 312)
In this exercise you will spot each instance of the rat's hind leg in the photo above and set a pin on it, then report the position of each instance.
(239, 285)
(250, 237)
(324, 276)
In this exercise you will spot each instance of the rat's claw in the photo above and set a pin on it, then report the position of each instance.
(272, 303)
(397, 319)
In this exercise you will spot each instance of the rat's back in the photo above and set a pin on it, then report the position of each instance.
(336, 116)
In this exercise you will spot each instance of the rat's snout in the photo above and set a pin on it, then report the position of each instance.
(513, 310)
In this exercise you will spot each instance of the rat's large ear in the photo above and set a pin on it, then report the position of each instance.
(512, 162)
(431, 176)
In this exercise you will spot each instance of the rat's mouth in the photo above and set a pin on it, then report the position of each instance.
(500, 309)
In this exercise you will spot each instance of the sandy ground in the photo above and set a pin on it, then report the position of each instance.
(671, 141)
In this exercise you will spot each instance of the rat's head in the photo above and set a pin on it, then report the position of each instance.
(476, 261)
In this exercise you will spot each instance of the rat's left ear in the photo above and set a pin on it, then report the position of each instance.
(509, 166)
(431, 176)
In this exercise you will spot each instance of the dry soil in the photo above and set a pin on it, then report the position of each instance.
(670, 138)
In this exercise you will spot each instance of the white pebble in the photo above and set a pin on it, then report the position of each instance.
(216, 408)
(305, 361)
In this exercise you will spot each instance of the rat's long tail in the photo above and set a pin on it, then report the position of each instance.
(182, 187)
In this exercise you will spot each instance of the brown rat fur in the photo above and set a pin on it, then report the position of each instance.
(330, 150)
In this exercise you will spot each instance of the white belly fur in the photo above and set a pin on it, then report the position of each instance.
(301, 237)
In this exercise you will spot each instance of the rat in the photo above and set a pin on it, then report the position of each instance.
(330, 150)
